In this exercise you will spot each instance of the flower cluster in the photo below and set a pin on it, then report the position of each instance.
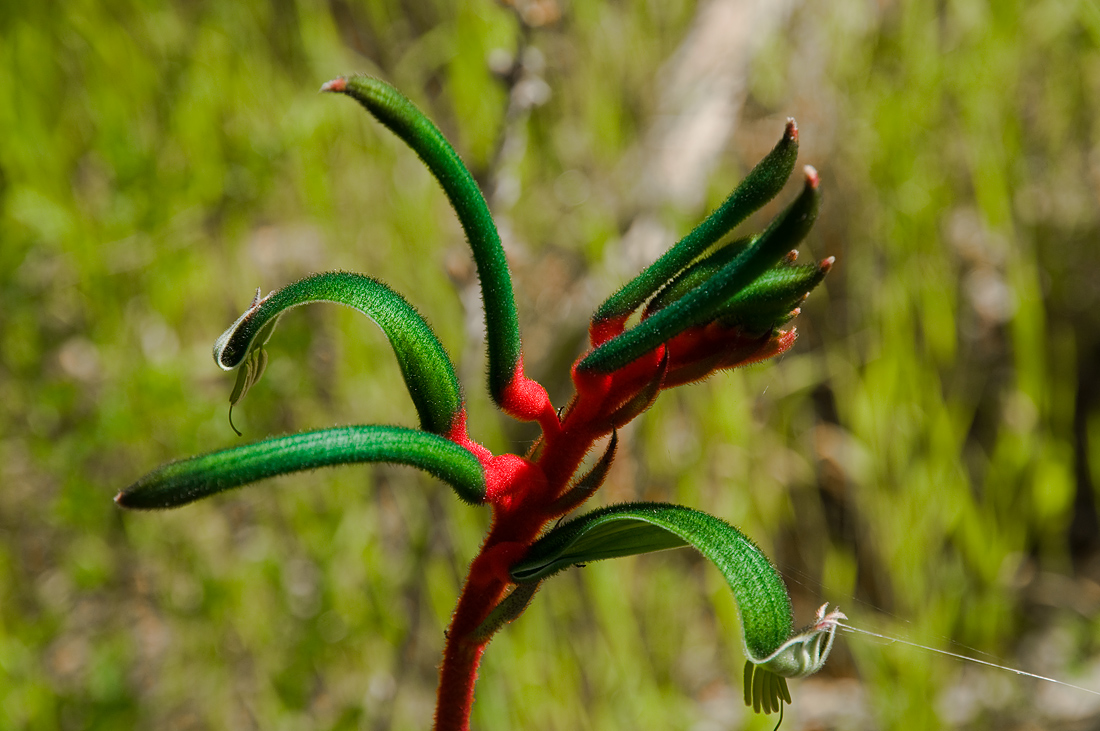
(706, 305)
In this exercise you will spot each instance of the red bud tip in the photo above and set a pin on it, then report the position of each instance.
(811, 176)
(791, 257)
(791, 132)
(826, 264)
(338, 84)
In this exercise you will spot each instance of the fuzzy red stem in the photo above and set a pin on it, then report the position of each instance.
(461, 656)
(523, 491)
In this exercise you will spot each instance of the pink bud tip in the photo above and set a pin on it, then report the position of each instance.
(791, 132)
(826, 264)
(338, 84)
(791, 256)
(828, 621)
(811, 176)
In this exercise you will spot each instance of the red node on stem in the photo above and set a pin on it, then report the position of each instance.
(510, 480)
(461, 437)
(527, 400)
(495, 563)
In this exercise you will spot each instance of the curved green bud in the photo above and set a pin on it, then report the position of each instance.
(774, 293)
(633, 528)
(765, 303)
(702, 304)
(428, 371)
(401, 117)
(761, 185)
(188, 480)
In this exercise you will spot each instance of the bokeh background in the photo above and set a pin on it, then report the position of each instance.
(926, 456)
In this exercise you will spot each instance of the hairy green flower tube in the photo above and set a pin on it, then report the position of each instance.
(188, 480)
(425, 365)
(773, 652)
(400, 116)
(757, 188)
(697, 273)
(760, 306)
(634, 528)
(705, 301)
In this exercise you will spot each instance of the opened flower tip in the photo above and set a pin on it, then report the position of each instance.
(827, 620)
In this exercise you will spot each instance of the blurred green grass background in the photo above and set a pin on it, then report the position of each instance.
(926, 456)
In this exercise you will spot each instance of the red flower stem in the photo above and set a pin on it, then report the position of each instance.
(485, 587)
(523, 493)
(461, 656)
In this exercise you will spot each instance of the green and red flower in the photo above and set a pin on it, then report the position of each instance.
(703, 307)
